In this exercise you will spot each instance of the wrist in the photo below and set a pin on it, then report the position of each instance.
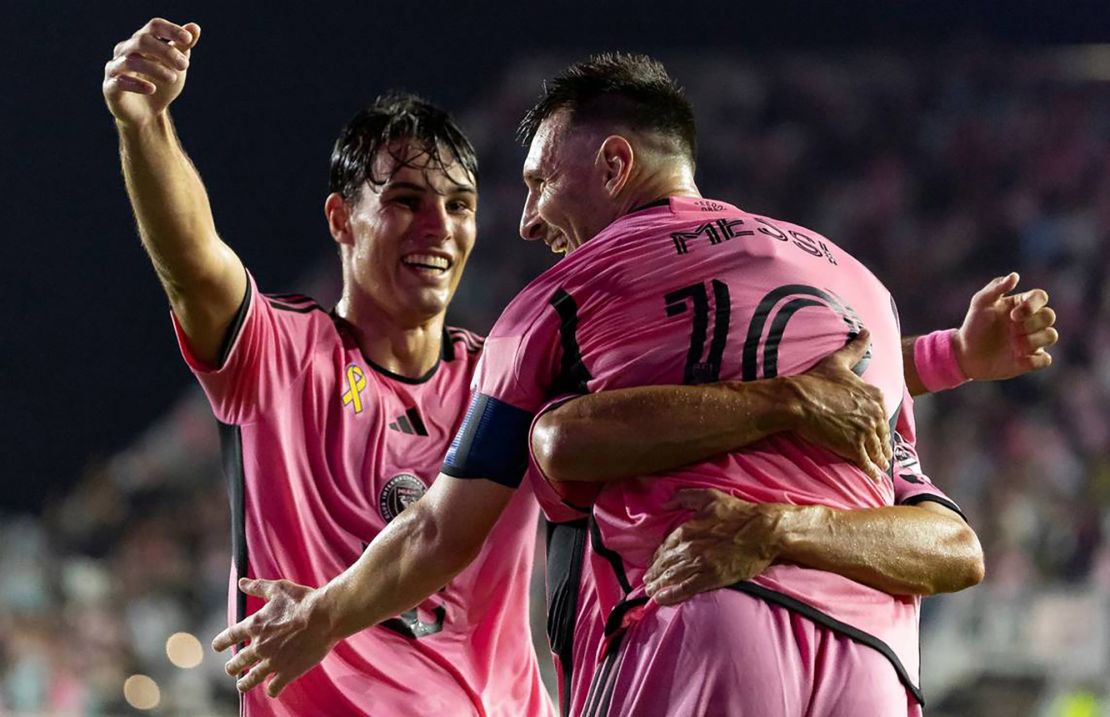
(783, 406)
(138, 127)
(323, 613)
(798, 529)
(939, 358)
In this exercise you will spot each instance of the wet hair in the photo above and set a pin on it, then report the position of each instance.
(410, 129)
(630, 91)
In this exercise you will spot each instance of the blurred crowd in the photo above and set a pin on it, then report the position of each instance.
(939, 170)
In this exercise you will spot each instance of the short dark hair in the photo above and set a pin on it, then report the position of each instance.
(633, 91)
(393, 118)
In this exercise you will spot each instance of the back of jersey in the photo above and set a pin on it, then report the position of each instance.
(699, 291)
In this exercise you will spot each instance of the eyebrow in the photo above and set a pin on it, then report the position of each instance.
(455, 188)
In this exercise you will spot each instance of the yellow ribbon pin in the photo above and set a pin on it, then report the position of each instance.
(356, 381)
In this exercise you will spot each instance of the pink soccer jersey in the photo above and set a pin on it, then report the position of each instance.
(691, 291)
(577, 642)
(323, 448)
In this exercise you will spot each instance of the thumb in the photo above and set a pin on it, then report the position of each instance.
(995, 289)
(854, 351)
(256, 587)
(193, 29)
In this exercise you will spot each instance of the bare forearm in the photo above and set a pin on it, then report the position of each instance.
(406, 563)
(909, 368)
(901, 550)
(604, 437)
(170, 204)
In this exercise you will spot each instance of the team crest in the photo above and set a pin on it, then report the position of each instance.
(399, 493)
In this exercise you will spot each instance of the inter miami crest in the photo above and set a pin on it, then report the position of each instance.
(400, 492)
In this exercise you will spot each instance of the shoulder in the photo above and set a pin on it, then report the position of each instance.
(460, 343)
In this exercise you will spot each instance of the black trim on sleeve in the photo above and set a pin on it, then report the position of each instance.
(811, 613)
(566, 551)
(236, 326)
(231, 449)
(941, 500)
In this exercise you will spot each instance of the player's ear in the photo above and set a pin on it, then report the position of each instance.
(615, 158)
(338, 214)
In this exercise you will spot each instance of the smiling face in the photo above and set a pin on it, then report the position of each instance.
(568, 200)
(404, 243)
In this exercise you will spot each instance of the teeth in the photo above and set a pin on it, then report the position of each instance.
(428, 260)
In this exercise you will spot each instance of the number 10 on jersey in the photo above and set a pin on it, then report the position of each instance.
(696, 299)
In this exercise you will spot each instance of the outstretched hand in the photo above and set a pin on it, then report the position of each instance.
(286, 636)
(1005, 335)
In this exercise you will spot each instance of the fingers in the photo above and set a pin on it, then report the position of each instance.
(276, 685)
(231, 636)
(994, 290)
(684, 590)
(1036, 361)
(864, 461)
(156, 71)
(194, 30)
(853, 351)
(259, 587)
(169, 32)
(254, 678)
(241, 661)
(1040, 340)
(1028, 303)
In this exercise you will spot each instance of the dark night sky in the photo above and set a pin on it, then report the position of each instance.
(88, 358)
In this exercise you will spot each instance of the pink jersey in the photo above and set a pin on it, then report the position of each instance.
(692, 291)
(322, 449)
(577, 642)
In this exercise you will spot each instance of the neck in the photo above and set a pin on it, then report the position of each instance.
(408, 346)
(657, 183)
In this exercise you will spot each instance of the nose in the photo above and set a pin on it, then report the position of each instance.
(435, 221)
(531, 226)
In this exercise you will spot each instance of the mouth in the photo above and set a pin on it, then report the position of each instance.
(558, 243)
(428, 263)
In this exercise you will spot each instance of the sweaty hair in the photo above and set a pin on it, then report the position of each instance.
(630, 91)
(410, 129)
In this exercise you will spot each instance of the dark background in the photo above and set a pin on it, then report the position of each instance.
(88, 358)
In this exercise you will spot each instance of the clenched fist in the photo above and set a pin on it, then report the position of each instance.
(147, 71)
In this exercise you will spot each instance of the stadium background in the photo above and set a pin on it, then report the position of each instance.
(942, 143)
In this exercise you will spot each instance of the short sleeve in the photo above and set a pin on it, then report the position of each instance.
(911, 484)
(513, 380)
(266, 349)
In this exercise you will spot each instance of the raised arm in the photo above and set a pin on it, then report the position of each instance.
(429, 543)
(202, 276)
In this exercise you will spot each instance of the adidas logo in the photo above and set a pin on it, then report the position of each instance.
(410, 422)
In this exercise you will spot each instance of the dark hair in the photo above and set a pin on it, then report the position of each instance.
(390, 120)
(633, 91)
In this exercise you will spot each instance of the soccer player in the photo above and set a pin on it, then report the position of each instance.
(333, 421)
(589, 176)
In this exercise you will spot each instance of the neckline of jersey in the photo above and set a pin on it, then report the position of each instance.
(444, 347)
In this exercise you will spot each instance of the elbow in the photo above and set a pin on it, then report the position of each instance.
(970, 567)
(552, 449)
